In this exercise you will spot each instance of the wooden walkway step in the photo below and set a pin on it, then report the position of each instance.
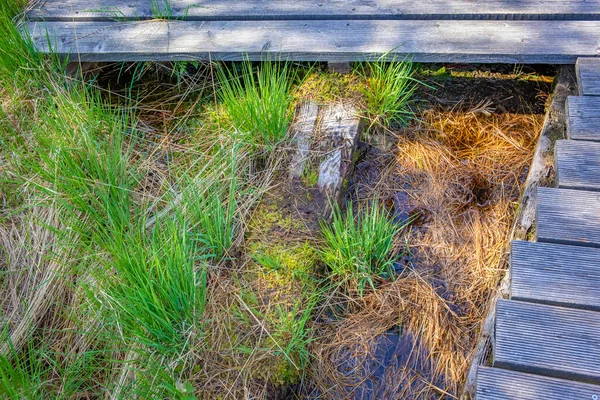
(555, 274)
(583, 118)
(566, 216)
(343, 40)
(502, 384)
(588, 76)
(244, 10)
(577, 164)
(548, 340)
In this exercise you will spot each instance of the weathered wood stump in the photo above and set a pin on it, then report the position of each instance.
(323, 145)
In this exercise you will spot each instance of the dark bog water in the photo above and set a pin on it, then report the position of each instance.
(382, 372)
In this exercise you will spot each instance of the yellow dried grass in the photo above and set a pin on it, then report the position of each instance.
(464, 174)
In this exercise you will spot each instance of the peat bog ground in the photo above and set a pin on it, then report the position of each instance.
(149, 247)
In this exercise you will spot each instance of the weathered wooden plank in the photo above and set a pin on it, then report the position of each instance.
(227, 10)
(555, 274)
(577, 164)
(548, 340)
(542, 163)
(502, 384)
(588, 76)
(566, 216)
(425, 41)
(583, 118)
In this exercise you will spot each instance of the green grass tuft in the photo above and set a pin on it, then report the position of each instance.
(161, 9)
(10, 8)
(213, 206)
(22, 376)
(153, 281)
(158, 285)
(388, 91)
(258, 102)
(360, 249)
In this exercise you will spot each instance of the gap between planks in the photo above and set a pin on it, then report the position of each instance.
(245, 10)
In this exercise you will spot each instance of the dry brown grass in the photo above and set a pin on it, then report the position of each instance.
(463, 173)
(33, 282)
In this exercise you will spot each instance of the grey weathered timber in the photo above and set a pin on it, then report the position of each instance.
(302, 132)
(566, 216)
(555, 274)
(425, 41)
(583, 118)
(211, 10)
(502, 384)
(588, 76)
(577, 164)
(339, 131)
(548, 340)
(542, 163)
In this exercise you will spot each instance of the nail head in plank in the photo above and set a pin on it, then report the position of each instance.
(566, 216)
(554, 341)
(588, 76)
(583, 118)
(213, 10)
(424, 41)
(541, 273)
(577, 164)
(502, 384)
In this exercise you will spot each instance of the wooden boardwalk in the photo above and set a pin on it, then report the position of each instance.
(547, 336)
(509, 31)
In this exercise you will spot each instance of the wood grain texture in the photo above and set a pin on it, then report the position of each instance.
(583, 118)
(588, 76)
(339, 131)
(301, 131)
(502, 384)
(222, 10)
(577, 164)
(566, 216)
(425, 41)
(554, 341)
(540, 273)
(542, 163)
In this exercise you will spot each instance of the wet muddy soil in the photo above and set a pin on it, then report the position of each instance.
(485, 89)
(501, 88)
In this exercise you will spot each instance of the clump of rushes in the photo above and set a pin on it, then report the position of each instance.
(152, 280)
(213, 209)
(258, 101)
(388, 92)
(157, 289)
(358, 250)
